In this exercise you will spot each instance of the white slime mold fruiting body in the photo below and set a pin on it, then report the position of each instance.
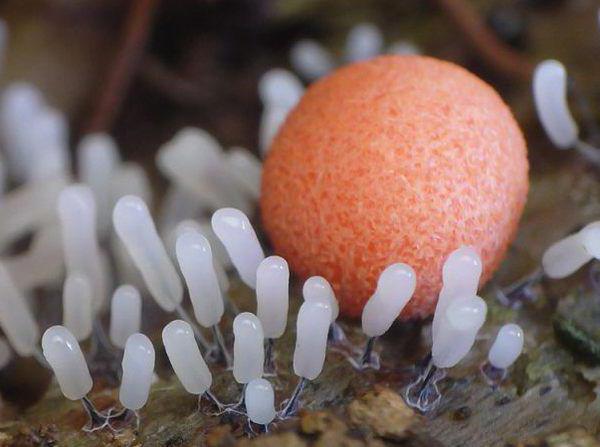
(138, 370)
(248, 348)
(125, 314)
(235, 231)
(259, 399)
(78, 312)
(566, 256)
(196, 262)
(458, 328)
(245, 170)
(16, 319)
(550, 96)
(395, 287)
(272, 295)
(507, 347)
(312, 325)
(98, 158)
(185, 357)
(310, 59)
(318, 289)
(364, 41)
(136, 229)
(63, 354)
(460, 277)
(77, 213)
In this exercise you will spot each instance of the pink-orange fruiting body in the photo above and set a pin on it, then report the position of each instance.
(397, 159)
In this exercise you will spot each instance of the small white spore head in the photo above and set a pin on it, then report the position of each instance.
(78, 312)
(311, 59)
(272, 295)
(318, 289)
(196, 262)
(507, 347)
(260, 401)
(16, 319)
(63, 354)
(312, 326)
(550, 96)
(395, 287)
(138, 370)
(235, 231)
(184, 355)
(458, 328)
(125, 314)
(248, 348)
(279, 87)
(364, 41)
(566, 256)
(136, 229)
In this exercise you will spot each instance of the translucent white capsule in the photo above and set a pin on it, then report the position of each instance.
(196, 263)
(78, 312)
(185, 357)
(16, 319)
(395, 287)
(565, 257)
(130, 179)
(507, 347)
(364, 41)
(77, 213)
(460, 277)
(248, 348)
(48, 141)
(125, 314)
(98, 158)
(279, 87)
(138, 370)
(458, 328)
(317, 288)
(63, 354)
(136, 229)
(5, 353)
(309, 58)
(245, 169)
(550, 97)
(272, 295)
(312, 326)
(235, 231)
(260, 401)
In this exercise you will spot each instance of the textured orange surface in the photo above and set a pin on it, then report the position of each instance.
(398, 159)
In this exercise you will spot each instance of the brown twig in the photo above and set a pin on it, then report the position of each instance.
(492, 51)
(124, 67)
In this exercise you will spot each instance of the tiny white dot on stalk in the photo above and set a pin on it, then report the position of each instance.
(310, 59)
(138, 371)
(364, 41)
(507, 346)
(260, 401)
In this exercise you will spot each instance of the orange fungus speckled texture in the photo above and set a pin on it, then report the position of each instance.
(398, 159)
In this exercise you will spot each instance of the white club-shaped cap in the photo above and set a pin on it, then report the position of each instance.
(364, 41)
(260, 401)
(458, 328)
(235, 231)
(507, 347)
(16, 319)
(460, 277)
(395, 287)
(138, 370)
(77, 213)
(318, 289)
(272, 295)
(196, 262)
(63, 354)
(565, 257)
(312, 327)
(5, 353)
(98, 158)
(279, 87)
(550, 96)
(185, 357)
(248, 348)
(309, 58)
(590, 238)
(136, 229)
(78, 312)
(125, 314)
